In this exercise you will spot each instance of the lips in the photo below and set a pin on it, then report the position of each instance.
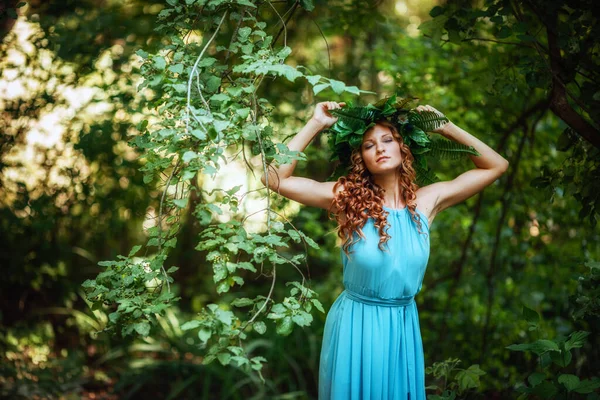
(382, 159)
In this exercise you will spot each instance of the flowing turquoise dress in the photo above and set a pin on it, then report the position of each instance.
(372, 348)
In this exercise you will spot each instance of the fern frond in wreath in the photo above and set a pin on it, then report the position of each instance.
(448, 150)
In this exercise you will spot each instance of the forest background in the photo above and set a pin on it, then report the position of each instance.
(142, 257)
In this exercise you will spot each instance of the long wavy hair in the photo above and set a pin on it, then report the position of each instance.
(362, 198)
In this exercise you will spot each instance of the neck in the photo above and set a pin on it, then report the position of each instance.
(390, 182)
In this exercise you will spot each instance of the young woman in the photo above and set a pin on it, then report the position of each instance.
(372, 346)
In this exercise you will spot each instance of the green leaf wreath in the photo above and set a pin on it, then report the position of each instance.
(347, 134)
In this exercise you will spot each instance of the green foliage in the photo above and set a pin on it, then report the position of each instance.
(455, 381)
(210, 104)
(30, 369)
(491, 253)
(554, 356)
(555, 54)
(136, 287)
(588, 293)
(578, 175)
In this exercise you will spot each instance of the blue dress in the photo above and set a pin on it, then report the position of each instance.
(372, 348)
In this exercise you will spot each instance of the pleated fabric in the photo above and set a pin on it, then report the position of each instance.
(372, 348)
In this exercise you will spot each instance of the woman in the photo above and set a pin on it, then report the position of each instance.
(372, 345)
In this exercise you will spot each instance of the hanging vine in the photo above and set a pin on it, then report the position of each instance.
(204, 84)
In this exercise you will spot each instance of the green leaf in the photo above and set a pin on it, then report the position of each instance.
(180, 88)
(530, 315)
(134, 250)
(318, 88)
(224, 358)
(190, 325)
(226, 317)
(337, 86)
(189, 156)
(436, 11)
(308, 5)
(142, 53)
(543, 345)
(313, 79)
(284, 326)
(244, 33)
(204, 335)
(181, 203)
(570, 382)
(143, 328)
(223, 287)
(352, 89)
(538, 347)
(588, 385)
(536, 378)
(289, 72)
(576, 340)
(246, 3)
(545, 390)
(444, 149)
(318, 305)
(176, 68)
(469, 378)
(198, 134)
(260, 327)
(302, 318)
(159, 63)
(221, 97)
(427, 121)
(562, 358)
(294, 235)
(242, 302)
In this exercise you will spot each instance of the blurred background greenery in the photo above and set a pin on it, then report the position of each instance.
(72, 194)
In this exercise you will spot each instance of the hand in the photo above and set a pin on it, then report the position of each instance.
(442, 129)
(321, 114)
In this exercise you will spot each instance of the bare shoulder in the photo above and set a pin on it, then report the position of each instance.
(427, 197)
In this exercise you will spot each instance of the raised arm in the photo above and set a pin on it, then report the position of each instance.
(304, 190)
(489, 167)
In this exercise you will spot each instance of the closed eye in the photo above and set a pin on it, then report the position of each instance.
(370, 145)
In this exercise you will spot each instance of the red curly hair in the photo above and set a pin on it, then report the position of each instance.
(360, 192)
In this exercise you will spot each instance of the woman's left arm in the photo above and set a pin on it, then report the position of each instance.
(490, 166)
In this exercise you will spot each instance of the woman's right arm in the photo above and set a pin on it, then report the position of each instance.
(304, 190)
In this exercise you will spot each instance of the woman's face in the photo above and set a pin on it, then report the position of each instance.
(380, 150)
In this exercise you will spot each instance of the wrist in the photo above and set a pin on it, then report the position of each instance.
(447, 129)
(316, 124)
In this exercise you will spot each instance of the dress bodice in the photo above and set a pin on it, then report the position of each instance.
(395, 273)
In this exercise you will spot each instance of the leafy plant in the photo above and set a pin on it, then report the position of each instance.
(455, 381)
(551, 382)
(207, 96)
(588, 294)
